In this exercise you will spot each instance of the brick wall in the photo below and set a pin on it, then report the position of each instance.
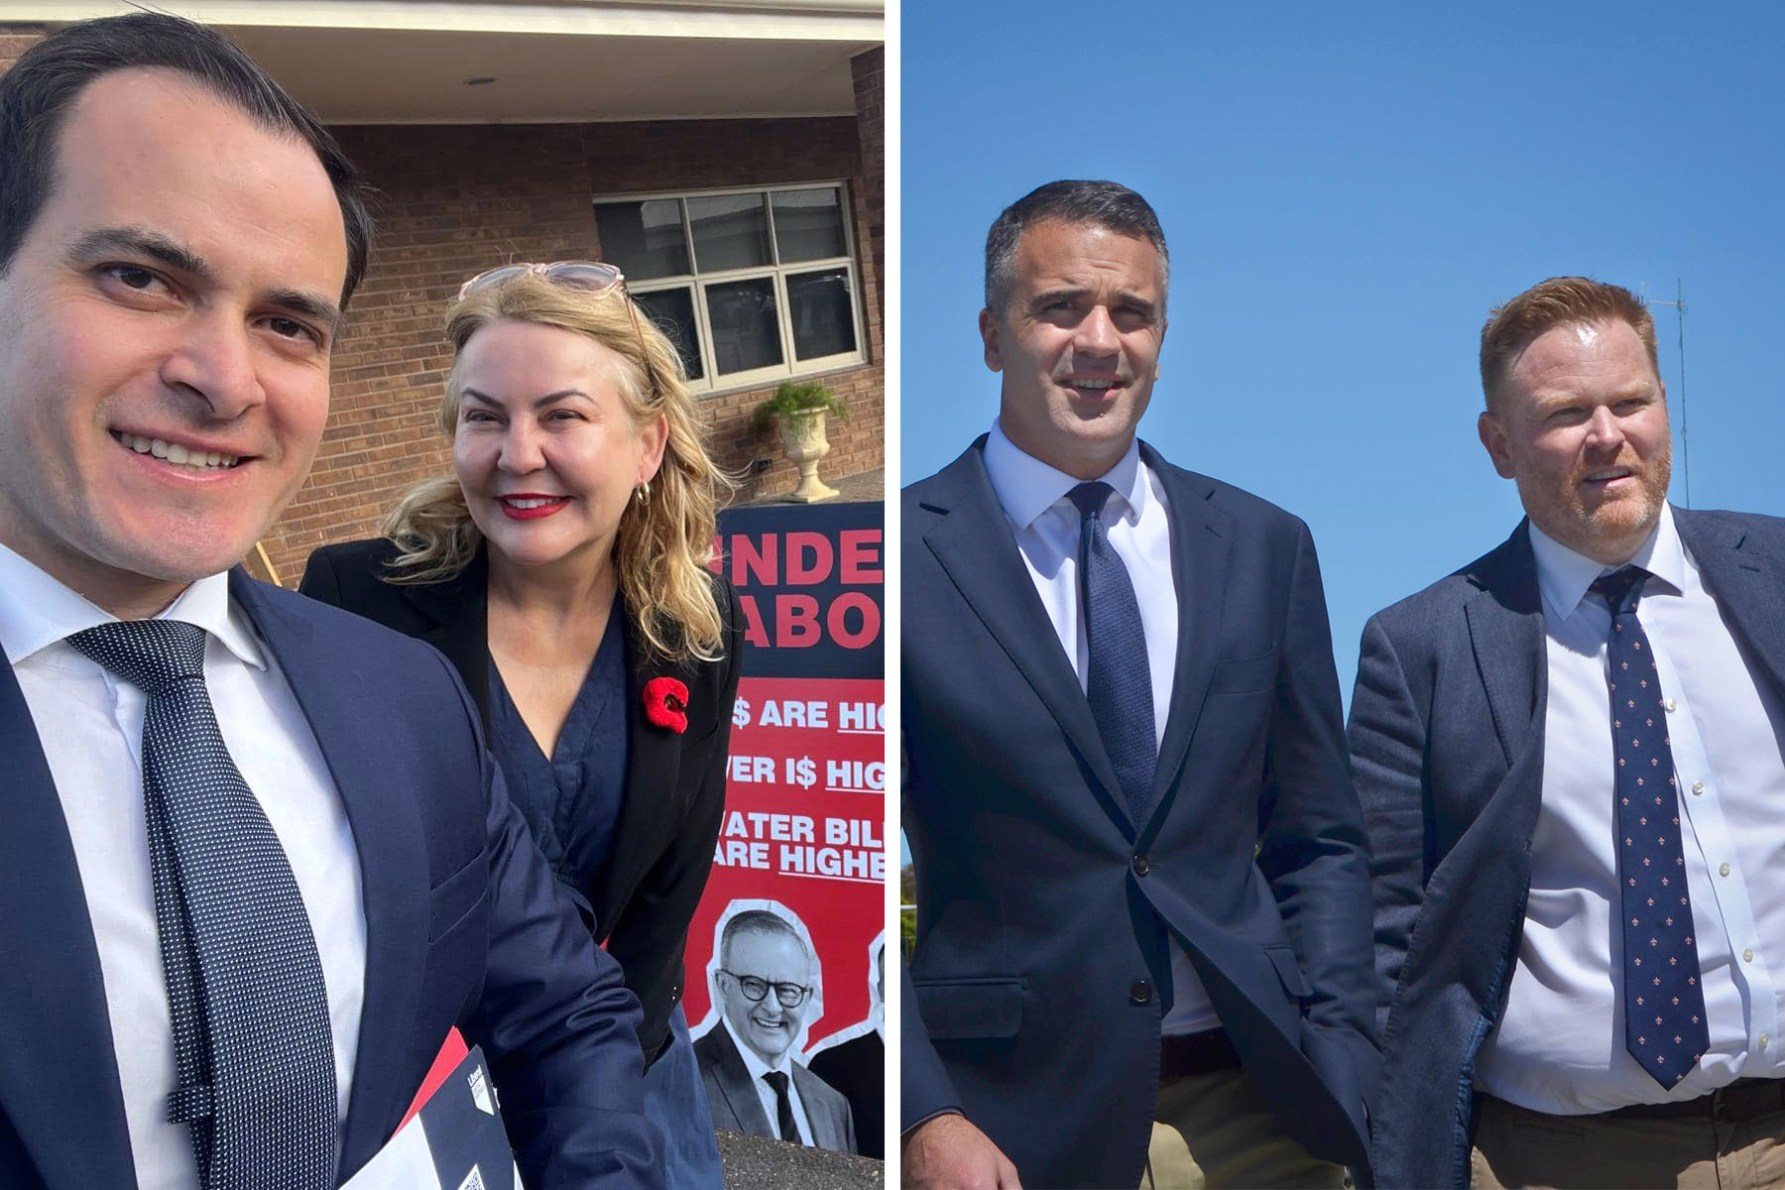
(456, 200)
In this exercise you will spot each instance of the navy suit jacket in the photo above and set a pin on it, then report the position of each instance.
(464, 926)
(1044, 909)
(643, 889)
(1447, 738)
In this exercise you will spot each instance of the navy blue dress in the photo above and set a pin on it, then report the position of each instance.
(575, 795)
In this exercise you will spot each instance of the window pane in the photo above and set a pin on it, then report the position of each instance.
(731, 231)
(809, 224)
(823, 314)
(673, 312)
(643, 238)
(746, 330)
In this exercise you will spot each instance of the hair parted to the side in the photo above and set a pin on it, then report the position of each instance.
(665, 542)
(1109, 205)
(1559, 301)
(37, 94)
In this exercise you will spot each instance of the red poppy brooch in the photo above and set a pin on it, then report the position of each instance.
(666, 704)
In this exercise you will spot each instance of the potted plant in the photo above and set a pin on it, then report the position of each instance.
(799, 408)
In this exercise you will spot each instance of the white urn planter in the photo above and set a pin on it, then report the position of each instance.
(802, 438)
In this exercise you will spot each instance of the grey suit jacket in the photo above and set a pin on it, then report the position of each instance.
(738, 1108)
(1447, 742)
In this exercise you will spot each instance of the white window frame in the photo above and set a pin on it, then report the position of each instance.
(697, 283)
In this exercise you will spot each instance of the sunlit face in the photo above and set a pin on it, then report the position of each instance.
(165, 330)
(1581, 425)
(767, 1026)
(545, 448)
(1077, 343)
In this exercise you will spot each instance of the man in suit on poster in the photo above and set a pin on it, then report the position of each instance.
(233, 944)
(1142, 892)
(856, 1065)
(763, 986)
(1568, 754)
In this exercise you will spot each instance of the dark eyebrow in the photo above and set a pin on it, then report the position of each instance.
(140, 242)
(538, 402)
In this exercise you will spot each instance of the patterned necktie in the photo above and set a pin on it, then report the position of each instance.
(253, 1050)
(790, 1130)
(1664, 1022)
(1120, 684)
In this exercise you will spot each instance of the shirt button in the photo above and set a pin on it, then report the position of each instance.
(1763, 1041)
(1748, 956)
(1668, 705)
(1140, 865)
(1722, 869)
(1141, 992)
(1697, 787)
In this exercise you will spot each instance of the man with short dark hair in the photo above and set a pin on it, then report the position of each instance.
(1569, 757)
(763, 987)
(257, 864)
(1142, 947)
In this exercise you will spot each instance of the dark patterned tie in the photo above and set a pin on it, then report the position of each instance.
(1120, 684)
(252, 1045)
(790, 1129)
(1664, 1023)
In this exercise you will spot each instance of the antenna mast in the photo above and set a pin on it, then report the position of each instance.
(1679, 305)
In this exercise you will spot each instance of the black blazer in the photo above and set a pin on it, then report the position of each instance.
(644, 891)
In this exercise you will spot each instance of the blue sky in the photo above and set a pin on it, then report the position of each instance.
(1347, 190)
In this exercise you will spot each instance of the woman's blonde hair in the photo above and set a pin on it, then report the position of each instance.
(665, 538)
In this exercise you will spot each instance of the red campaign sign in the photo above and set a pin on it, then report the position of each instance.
(804, 829)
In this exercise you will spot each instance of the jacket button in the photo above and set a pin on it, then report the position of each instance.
(1141, 992)
(1140, 865)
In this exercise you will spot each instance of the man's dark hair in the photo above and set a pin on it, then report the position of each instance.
(1109, 205)
(37, 93)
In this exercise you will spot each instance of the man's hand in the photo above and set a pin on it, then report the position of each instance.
(948, 1153)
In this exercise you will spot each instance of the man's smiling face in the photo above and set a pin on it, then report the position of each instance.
(166, 326)
(767, 1026)
(1078, 343)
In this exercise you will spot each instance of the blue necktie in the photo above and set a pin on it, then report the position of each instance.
(1120, 684)
(253, 1051)
(1664, 1023)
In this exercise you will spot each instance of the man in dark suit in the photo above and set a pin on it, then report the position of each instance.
(179, 239)
(1142, 939)
(857, 1066)
(1568, 754)
(763, 986)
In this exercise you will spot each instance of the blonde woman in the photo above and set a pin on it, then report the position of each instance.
(562, 570)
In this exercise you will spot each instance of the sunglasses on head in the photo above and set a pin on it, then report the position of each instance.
(584, 276)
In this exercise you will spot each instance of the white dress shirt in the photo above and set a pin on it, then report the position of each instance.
(1137, 520)
(1560, 1046)
(90, 724)
(757, 1068)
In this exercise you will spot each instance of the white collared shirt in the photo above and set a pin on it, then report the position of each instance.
(757, 1068)
(1136, 518)
(90, 725)
(1560, 1047)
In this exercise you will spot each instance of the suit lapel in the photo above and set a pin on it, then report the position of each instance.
(1506, 631)
(458, 610)
(59, 1087)
(1748, 585)
(740, 1090)
(653, 765)
(974, 546)
(1200, 536)
(387, 833)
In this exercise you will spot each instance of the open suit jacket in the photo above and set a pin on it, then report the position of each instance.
(738, 1108)
(644, 889)
(464, 926)
(1044, 909)
(1447, 738)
